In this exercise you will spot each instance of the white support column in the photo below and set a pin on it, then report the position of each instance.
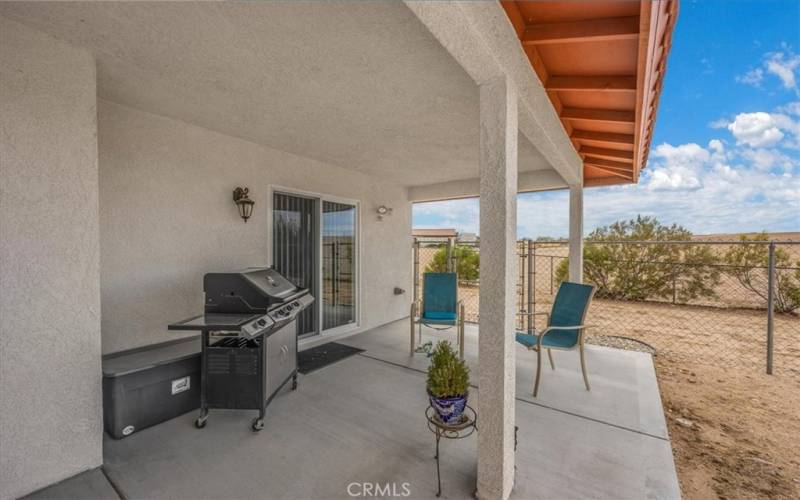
(498, 228)
(576, 233)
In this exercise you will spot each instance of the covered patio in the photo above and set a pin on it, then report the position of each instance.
(361, 420)
(128, 125)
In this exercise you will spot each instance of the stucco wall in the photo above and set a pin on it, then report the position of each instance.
(50, 385)
(167, 218)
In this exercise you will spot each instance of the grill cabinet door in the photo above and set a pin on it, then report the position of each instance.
(233, 378)
(281, 356)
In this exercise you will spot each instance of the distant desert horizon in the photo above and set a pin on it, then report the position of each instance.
(777, 236)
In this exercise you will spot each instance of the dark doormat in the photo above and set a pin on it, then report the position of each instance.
(323, 355)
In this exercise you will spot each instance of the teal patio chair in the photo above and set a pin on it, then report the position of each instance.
(565, 329)
(441, 308)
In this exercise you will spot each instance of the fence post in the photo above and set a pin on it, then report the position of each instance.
(770, 305)
(521, 282)
(533, 276)
(530, 307)
(674, 287)
(416, 270)
(449, 255)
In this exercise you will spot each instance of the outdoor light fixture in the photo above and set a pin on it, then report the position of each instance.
(382, 211)
(244, 203)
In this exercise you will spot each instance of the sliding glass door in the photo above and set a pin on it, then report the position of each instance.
(294, 248)
(315, 245)
(338, 264)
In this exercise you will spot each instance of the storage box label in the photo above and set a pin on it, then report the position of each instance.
(181, 384)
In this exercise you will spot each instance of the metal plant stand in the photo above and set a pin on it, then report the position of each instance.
(464, 427)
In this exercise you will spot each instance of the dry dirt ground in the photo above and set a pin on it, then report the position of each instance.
(735, 433)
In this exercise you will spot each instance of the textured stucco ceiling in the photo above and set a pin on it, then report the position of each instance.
(360, 85)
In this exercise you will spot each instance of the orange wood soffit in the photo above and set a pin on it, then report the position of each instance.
(602, 64)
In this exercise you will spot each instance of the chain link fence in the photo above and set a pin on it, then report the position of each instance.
(704, 301)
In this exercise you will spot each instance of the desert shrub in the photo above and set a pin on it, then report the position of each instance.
(748, 265)
(448, 375)
(467, 262)
(640, 272)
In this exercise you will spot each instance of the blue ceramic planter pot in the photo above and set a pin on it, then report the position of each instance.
(449, 409)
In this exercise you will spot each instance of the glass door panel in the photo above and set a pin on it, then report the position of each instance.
(338, 264)
(294, 248)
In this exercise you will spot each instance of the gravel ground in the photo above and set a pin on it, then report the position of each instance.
(625, 343)
(735, 433)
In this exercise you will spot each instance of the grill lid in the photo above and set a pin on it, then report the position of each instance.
(269, 280)
(252, 290)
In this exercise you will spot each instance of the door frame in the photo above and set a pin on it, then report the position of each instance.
(321, 197)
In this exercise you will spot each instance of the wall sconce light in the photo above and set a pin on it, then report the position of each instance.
(383, 210)
(243, 203)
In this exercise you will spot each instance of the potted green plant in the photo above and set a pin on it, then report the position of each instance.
(448, 383)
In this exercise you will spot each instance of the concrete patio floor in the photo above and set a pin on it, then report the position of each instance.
(362, 420)
(624, 386)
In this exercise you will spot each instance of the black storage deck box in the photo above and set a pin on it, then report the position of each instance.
(147, 386)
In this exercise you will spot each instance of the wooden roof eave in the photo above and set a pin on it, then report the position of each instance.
(600, 130)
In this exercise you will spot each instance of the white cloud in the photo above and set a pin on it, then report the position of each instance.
(543, 214)
(767, 159)
(731, 198)
(753, 77)
(793, 108)
(719, 123)
(762, 129)
(716, 146)
(784, 66)
(685, 154)
(677, 167)
(462, 215)
(726, 173)
(755, 129)
(787, 124)
(673, 179)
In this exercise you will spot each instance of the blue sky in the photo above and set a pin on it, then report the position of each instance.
(725, 156)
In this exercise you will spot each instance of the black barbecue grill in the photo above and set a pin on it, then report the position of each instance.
(249, 339)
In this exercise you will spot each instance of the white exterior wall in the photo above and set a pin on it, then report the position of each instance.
(167, 218)
(50, 382)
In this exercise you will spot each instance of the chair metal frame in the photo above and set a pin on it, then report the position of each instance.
(578, 345)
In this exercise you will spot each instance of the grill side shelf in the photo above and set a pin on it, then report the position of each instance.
(214, 322)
